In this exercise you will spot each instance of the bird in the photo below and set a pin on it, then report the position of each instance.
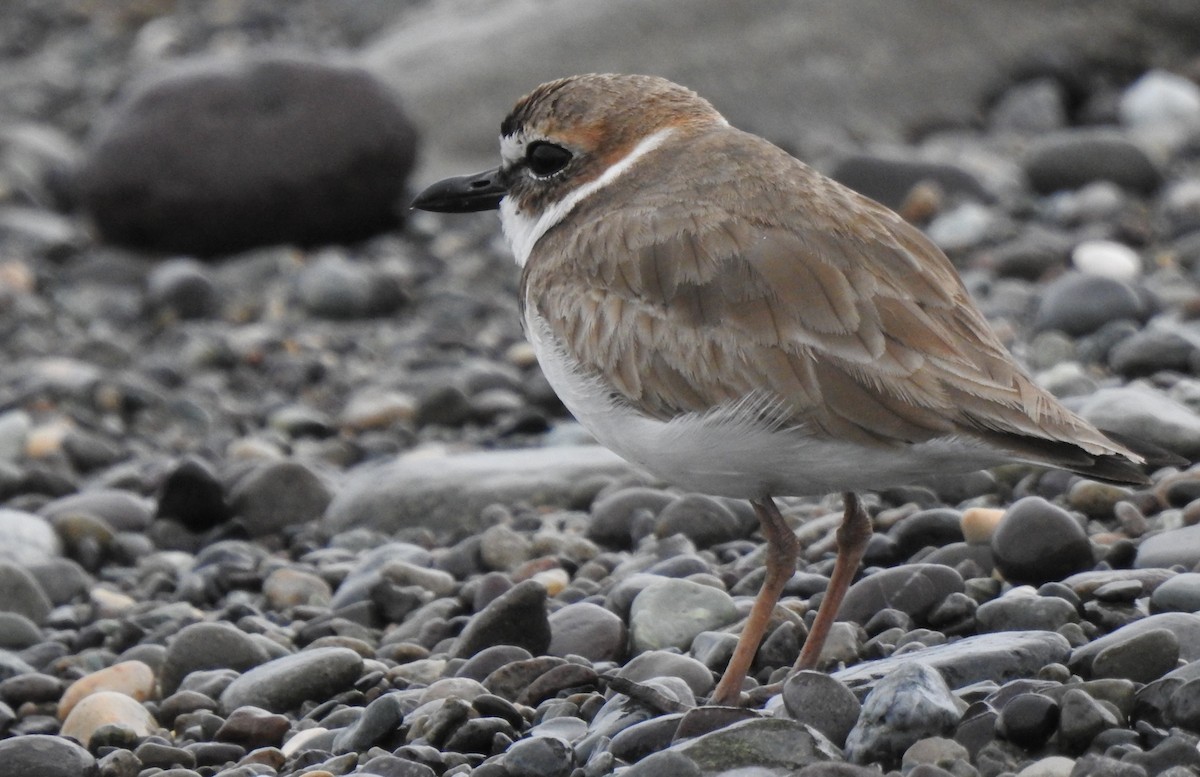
(720, 313)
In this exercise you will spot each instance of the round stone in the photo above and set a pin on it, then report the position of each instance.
(820, 701)
(1180, 593)
(107, 709)
(1028, 720)
(215, 645)
(132, 678)
(42, 755)
(1037, 542)
(515, 617)
(587, 630)
(283, 684)
(671, 612)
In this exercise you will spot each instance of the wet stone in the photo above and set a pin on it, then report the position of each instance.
(540, 757)
(1143, 658)
(202, 646)
(1081, 719)
(671, 612)
(39, 755)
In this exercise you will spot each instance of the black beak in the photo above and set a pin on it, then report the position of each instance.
(464, 194)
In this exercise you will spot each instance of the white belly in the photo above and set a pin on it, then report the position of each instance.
(731, 452)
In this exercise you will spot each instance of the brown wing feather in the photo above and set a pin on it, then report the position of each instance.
(831, 304)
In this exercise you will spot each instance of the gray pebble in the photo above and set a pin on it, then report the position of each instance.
(820, 701)
(37, 755)
(1022, 613)
(1082, 718)
(21, 594)
(1181, 593)
(208, 646)
(1078, 304)
(671, 612)
(282, 684)
(910, 703)
(279, 494)
(516, 617)
(914, 589)
(26, 539)
(588, 630)
(1070, 159)
(1037, 541)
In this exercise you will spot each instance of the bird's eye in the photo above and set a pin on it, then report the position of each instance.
(546, 158)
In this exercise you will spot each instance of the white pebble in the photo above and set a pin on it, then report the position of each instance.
(1106, 258)
(1158, 98)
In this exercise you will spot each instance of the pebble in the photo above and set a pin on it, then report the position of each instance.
(1185, 627)
(1180, 593)
(588, 630)
(43, 755)
(1072, 158)
(20, 593)
(1037, 542)
(1146, 414)
(1028, 720)
(1081, 303)
(252, 728)
(995, 657)
(27, 539)
(1143, 657)
(702, 519)
(259, 173)
(671, 612)
(132, 678)
(516, 617)
(764, 745)
(279, 494)
(201, 646)
(1108, 259)
(1081, 719)
(182, 289)
(1025, 613)
(818, 700)
(105, 709)
(1175, 547)
(282, 684)
(1160, 97)
(286, 588)
(914, 589)
(910, 703)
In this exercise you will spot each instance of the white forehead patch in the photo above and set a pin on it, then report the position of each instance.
(512, 148)
(523, 230)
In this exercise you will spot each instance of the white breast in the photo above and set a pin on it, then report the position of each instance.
(731, 451)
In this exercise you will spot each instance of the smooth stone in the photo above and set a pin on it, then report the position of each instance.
(820, 701)
(192, 494)
(1145, 414)
(297, 150)
(107, 708)
(914, 589)
(282, 684)
(1085, 584)
(927, 528)
(1143, 658)
(132, 678)
(926, 757)
(1079, 304)
(516, 617)
(44, 755)
(435, 581)
(201, 646)
(996, 657)
(661, 663)
(277, 495)
(890, 180)
(1108, 259)
(1185, 627)
(671, 612)
(1037, 542)
(121, 510)
(613, 516)
(1037, 105)
(286, 588)
(751, 747)
(1025, 613)
(1180, 593)
(27, 539)
(634, 743)
(17, 632)
(1028, 720)
(1152, 350)
(182, 289)
(1049, 766)
(20, 593)
(1170, 548)
(1070, 159)
(1081, 719)
(253, 727)
(335, 288)
(588, 630)
(488, 660)
(449, 492)
(1183, 706)
(703, 519)
(540, 757)
(503, 549)
(368, 570)
(381, 717)
(1160, 97)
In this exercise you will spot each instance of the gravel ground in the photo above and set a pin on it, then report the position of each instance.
(315, 511)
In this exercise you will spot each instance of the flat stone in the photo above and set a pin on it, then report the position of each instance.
(769, 745)
(282, 684)
(997, 657)
(671, 612)
(42, 755)
(448, 492)
(1185, 627)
